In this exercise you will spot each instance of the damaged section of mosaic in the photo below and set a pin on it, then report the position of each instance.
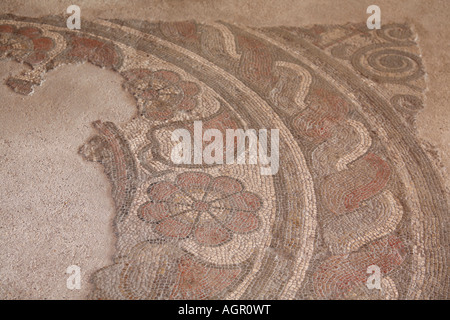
(354, 188)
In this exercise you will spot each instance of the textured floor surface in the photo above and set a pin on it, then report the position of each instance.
(357, 186)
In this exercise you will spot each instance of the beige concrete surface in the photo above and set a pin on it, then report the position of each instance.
(55, 207)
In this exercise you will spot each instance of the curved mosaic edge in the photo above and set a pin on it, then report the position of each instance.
(368, 192)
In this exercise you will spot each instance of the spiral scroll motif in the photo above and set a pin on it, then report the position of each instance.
(396, 33)
(386, 64)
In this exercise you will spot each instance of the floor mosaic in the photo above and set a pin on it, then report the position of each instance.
(355, 187)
